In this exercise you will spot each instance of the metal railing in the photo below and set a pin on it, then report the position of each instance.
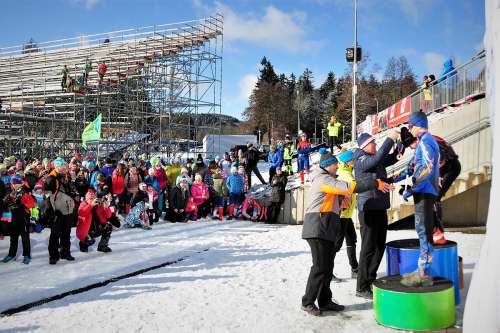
(467, 79)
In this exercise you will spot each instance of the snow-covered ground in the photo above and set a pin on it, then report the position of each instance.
(250, 279)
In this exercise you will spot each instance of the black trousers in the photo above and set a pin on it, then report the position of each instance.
(332, 142)
(373, 236)
(348, 232)
(450, 173)
(19, 229)
(103, 230)
(320, 276)
(60, 236)
(257, 173)
(275, 212)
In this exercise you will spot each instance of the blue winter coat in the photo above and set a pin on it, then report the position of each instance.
(426, 174)
(367, 167)
(275, 159)
(235, 183)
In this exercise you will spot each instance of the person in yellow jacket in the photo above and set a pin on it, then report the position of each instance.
(345, 173)
(289, 149)
(333, 133)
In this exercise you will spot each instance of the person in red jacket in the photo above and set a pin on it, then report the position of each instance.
(94, 221)
(18, 202)
(118, 187)
(101, 70)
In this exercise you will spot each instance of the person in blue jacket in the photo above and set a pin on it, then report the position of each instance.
(275, 158)
(370, 163)
(425, 190)
(235, 186)
(303, 150)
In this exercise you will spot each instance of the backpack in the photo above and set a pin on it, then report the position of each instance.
(446, 151)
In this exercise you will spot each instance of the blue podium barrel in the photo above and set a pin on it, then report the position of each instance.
(402, 257)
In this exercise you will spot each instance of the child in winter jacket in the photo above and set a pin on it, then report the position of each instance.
(152, 209)
(303, 150)
(178, 200)
(234, 184)
(18, 202)
(137, 216)
(200, 194)
(251, 209)
(219, 194)
(278, 185)
(275, 158)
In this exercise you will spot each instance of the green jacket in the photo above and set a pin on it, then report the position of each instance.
(344, 172)
(172, 171)
(288, 150)
(220, 186)
(333, 129)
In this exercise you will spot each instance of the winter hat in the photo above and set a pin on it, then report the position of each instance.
(234, 169)
(16, 179)
(184, 170)
(39, 185)
(418, 119)
(217, 158)
(3, 167)
(346, 156)
(364, 139)
(90, 165)
(78, 156)
(59, 162)
(326, 158)
(406, 138)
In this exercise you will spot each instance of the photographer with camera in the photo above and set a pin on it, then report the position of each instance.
(18, 202)
(95, 218)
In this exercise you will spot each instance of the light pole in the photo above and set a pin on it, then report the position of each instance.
(258, 137)
(354, 70)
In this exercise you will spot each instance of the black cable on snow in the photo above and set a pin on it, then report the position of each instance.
(46, 300)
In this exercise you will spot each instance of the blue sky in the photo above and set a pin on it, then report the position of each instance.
(293, 35)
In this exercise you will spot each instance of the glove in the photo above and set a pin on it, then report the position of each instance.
(407, 194)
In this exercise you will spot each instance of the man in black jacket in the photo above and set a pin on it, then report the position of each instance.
(372, 206)
(252, 157)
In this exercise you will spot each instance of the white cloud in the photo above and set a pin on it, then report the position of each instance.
(246, 85)
(275, 29)
(433, 62)
(89, 4)
(408, 52)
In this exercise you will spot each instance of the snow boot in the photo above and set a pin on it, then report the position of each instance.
(221, 213)
(26, 260)
(6, 259)
(105, 249)
(53, 261)
(332, 306)
(311, 309)
(416, 280)
(67, 256)
(231, 212)
(438, 237)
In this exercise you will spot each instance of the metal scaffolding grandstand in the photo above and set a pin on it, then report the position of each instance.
(160, 84)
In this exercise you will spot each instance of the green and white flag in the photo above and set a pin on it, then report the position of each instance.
(92, 132)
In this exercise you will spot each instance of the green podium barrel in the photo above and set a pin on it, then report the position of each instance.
(414, 308)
